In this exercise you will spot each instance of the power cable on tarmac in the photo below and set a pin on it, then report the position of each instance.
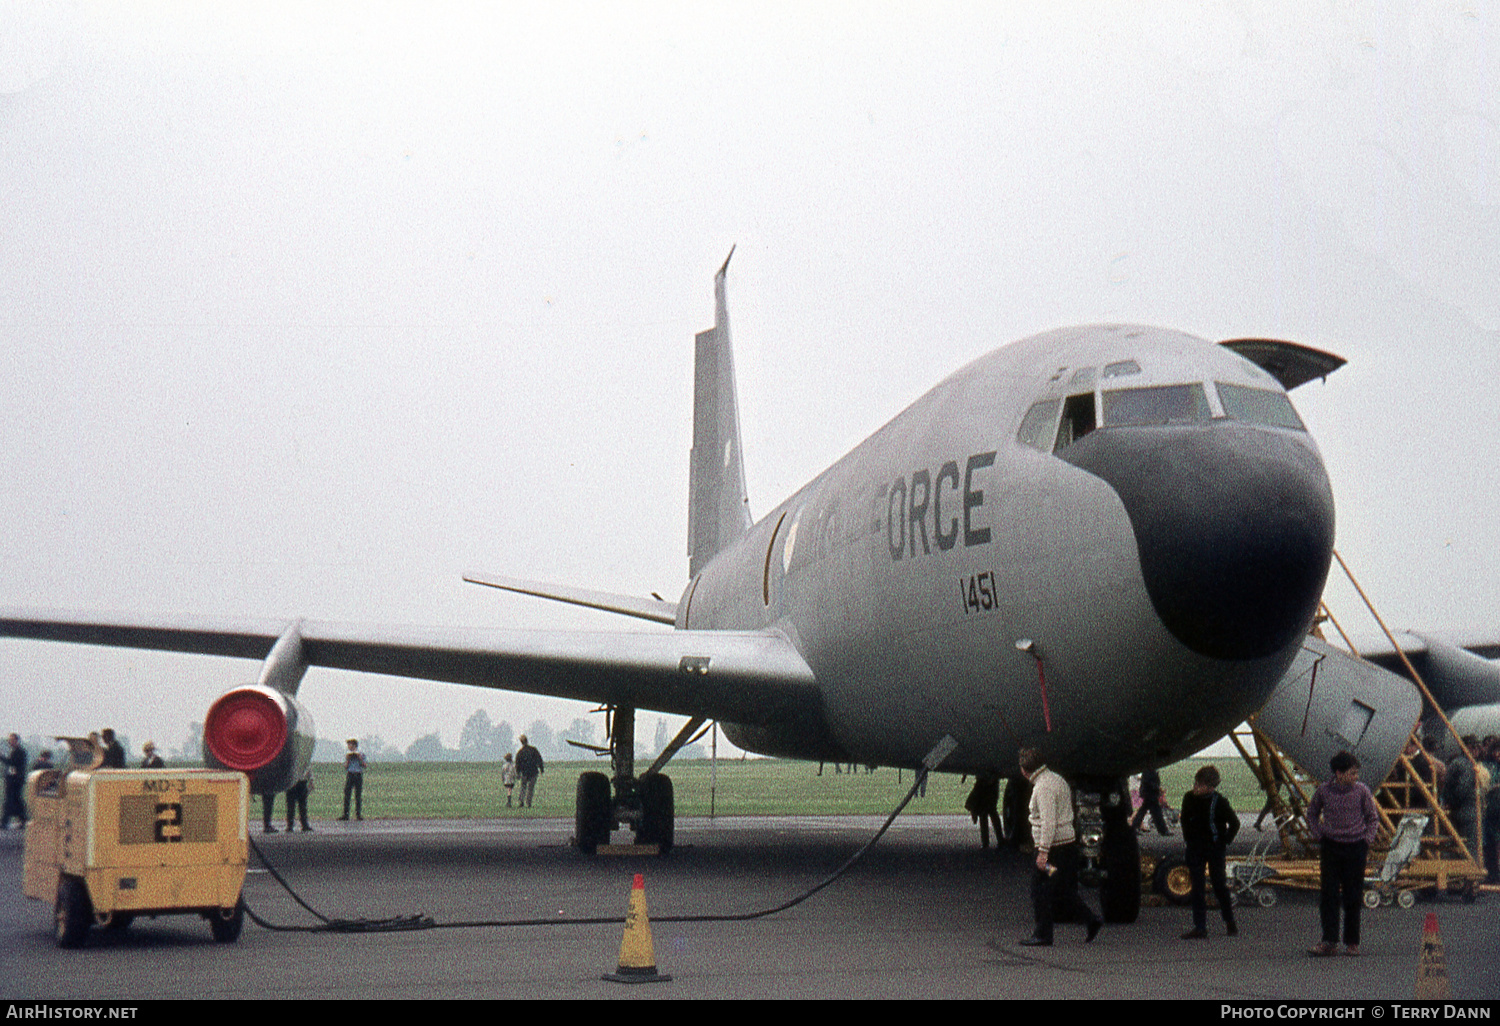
(933, 759)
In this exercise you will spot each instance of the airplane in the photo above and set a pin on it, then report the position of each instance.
(1109, 542)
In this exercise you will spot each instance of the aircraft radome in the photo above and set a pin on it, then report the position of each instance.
(1106, 541)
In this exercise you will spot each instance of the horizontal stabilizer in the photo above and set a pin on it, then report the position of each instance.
(754, 677)
(656, 610)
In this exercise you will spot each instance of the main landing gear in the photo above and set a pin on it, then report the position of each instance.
(644, 803)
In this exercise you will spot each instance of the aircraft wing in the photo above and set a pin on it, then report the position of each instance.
(741, 676)
(1459, 672)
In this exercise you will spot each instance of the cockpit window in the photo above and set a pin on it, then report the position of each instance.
(1077, 420)
(1258, 406)
(1162, 404)
(1036, 426)
(1121, 369)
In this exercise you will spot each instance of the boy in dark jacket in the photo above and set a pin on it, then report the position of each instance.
(1208, 826)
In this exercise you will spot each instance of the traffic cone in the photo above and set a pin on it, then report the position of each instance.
(637, 959)
(1432, 966)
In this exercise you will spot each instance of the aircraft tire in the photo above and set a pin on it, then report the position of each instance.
(658, 811)
(591, 812)
(74, 913)
(1120, 854)
(227, 931)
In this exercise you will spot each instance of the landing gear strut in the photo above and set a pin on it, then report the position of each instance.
(1119, 857)
(644, 803)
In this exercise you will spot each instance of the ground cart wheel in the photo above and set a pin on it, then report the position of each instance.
(74, 912)
(226, 930)
(1406, 899)
(1266, 897)
(1372, 899)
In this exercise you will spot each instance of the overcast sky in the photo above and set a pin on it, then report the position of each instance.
(308, 308)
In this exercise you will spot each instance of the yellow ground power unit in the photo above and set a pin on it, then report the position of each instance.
(108, 846)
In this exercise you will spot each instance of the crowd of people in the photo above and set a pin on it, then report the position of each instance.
(520, 769)
(16, 769)
(1341, 817)
(1471, 794)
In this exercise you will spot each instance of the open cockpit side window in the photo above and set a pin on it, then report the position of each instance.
(1077, 420)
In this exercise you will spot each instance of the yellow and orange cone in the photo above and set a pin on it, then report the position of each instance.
(1432, 964)
(637, 957)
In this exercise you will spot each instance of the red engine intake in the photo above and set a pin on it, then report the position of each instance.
(262, 732)
(245, 729)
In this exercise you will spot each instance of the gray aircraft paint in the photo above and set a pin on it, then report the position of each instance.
(718, 506)
(879, 608)
(867, 569)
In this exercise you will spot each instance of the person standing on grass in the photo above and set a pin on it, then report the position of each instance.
(354, 779)
(529, 765)
(1343, 819)
(508, 777)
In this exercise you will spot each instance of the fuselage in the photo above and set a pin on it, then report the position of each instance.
(1141, 506)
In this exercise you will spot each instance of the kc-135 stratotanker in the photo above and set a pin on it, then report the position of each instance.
(1109, 542)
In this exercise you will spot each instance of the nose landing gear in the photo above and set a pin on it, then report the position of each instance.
(1112, 853)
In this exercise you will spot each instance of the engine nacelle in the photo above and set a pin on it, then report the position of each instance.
(261, 732)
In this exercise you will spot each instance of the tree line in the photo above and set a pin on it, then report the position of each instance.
(480, 740)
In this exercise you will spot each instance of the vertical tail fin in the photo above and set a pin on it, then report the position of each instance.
(718, 509)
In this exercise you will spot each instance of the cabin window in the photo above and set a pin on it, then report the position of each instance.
(1036, 427)
(1077, 420)
(1162, 404)
(1258, 406)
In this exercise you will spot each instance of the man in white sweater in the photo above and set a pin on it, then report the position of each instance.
(1054, 885)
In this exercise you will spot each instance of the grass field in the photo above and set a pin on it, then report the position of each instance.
(753, 787)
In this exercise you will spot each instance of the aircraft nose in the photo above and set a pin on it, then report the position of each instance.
(1234, 524)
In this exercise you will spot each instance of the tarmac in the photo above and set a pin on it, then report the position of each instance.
(926, 914)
